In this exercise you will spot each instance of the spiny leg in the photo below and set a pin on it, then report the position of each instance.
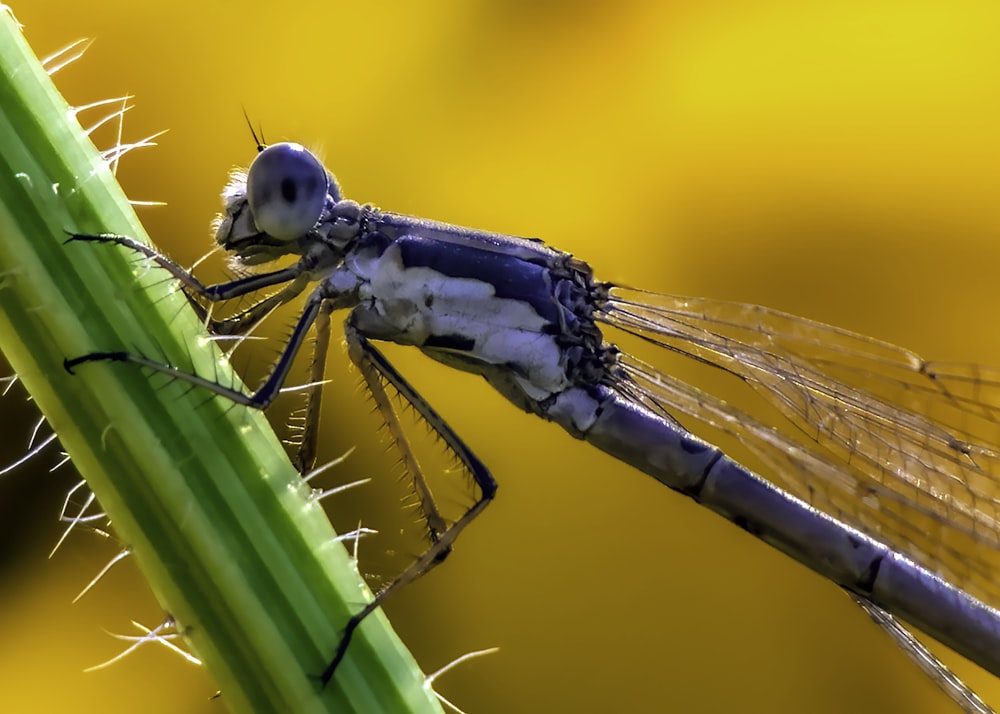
(375, 368)
(305, 455)
(297, 278)
(936, 670)
(213, 293)
(375, 382)
(260, 399)
(245, 320)
(296, 275)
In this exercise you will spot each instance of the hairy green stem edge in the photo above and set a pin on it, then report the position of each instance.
(202, 493)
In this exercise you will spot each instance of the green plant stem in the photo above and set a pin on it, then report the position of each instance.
(201, 491)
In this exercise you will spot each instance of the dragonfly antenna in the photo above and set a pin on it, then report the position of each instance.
(258, 134)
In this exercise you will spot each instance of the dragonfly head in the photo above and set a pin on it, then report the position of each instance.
(274, 208)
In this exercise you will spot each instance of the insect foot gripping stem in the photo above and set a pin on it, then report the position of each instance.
(69, 364)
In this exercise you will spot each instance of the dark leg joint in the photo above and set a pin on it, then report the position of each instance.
(92, 237)
(69, 364)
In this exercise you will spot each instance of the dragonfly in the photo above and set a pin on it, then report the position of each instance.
(884, 478)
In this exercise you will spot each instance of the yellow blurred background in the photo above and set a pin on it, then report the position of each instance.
(839, 160)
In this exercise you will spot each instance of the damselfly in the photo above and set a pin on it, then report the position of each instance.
(885, 479)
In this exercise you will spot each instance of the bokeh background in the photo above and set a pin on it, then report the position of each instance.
(839, 160)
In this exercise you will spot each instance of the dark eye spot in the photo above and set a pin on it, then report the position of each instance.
(288, 190)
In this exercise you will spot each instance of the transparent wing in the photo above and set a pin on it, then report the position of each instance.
(897, 447)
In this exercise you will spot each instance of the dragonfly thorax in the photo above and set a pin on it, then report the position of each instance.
(522, 318)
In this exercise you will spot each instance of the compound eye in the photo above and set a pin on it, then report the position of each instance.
(286, 189)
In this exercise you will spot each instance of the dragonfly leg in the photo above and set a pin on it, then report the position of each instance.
(242, 322)
(377, 372)
(305, 455)
(296, 275)
(946, 680)
(260, 399)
